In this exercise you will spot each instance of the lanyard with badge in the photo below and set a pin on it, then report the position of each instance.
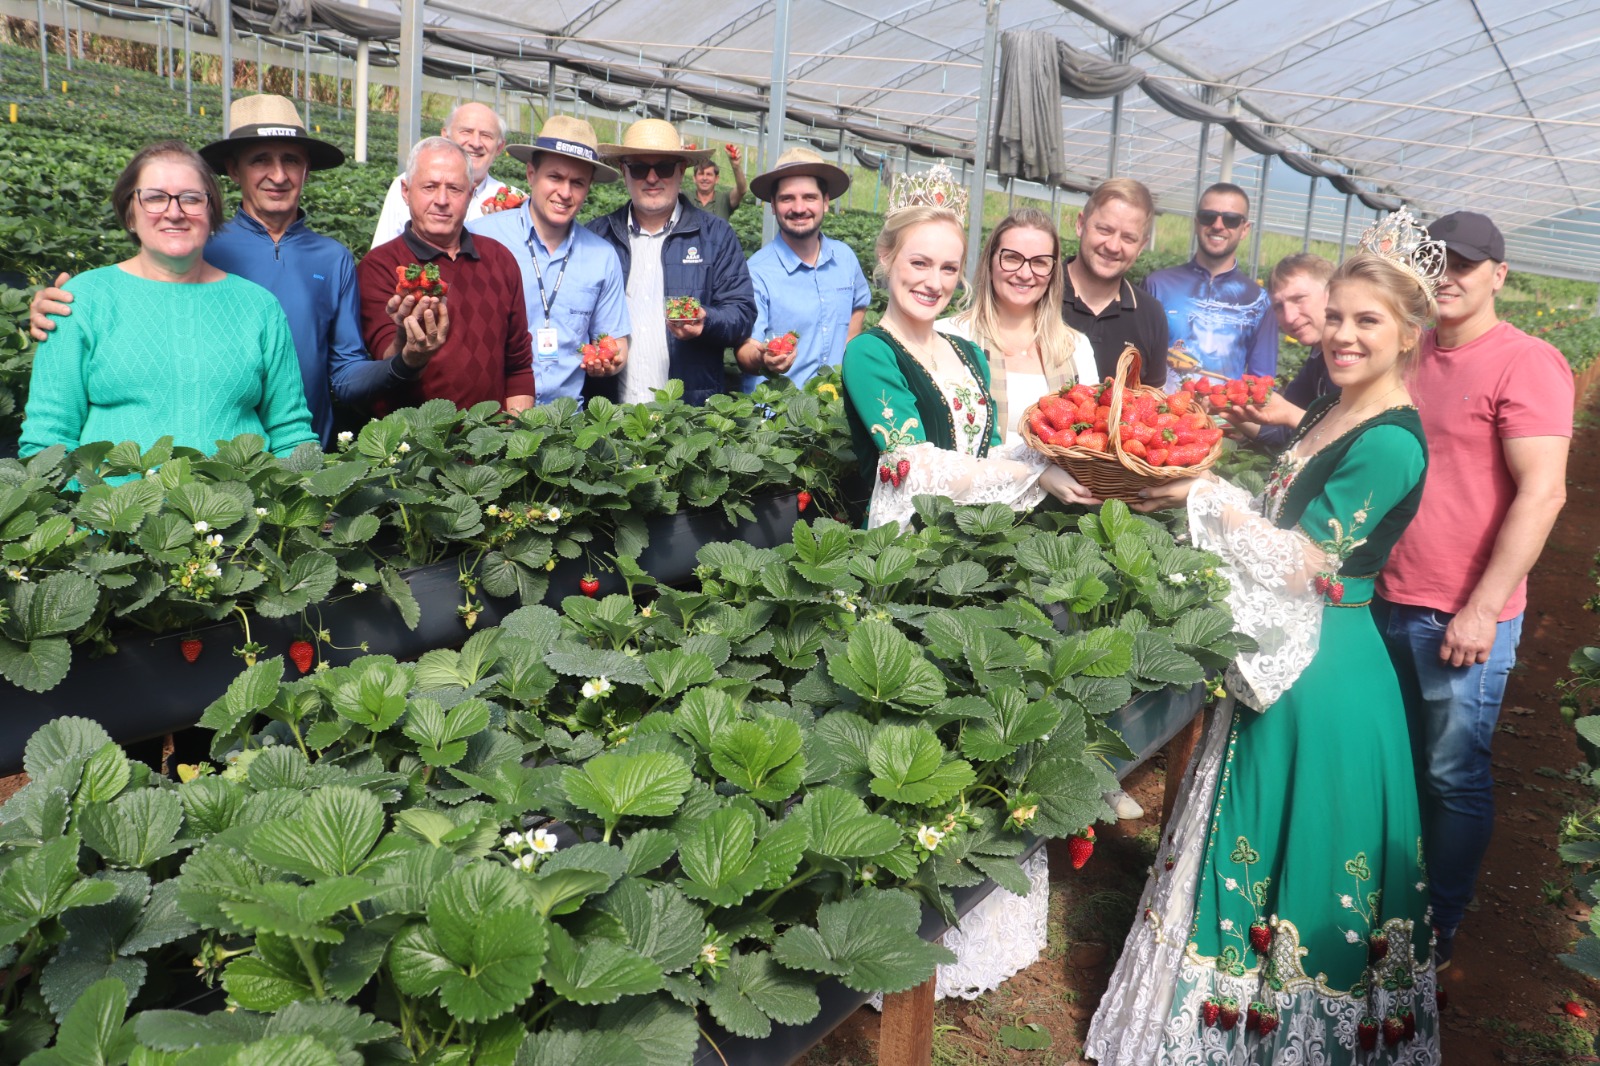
(545, 336)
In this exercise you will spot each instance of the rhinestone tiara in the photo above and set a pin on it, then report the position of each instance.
(1399, 238)
(935, 187)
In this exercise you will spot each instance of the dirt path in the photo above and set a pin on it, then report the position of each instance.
(1505, 990)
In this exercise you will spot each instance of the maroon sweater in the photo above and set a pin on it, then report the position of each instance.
(489, 354)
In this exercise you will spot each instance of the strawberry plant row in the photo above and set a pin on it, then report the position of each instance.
(169, 540)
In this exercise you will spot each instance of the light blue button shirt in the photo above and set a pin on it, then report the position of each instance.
(592, 298)
(813, 301)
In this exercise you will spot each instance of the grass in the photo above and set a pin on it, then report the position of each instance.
(1568, 1043)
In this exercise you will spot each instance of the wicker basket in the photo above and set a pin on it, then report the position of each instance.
(1114, 474)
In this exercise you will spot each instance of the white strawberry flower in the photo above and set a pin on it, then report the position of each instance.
(345, 438)
(543, 842)
(647, 611)
(261, 512)
(202, 526)
(709, 954)
(358, 586)
(554, 514)
(526, 862)
(404, 448)
(929, 837)
(513, 840)
(17, 573)
(215, 540)
(493, 511)
(1177, 579)
(595, 687)
(212, 570)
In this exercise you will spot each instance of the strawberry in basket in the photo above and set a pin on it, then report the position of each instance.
(414, 279)
(684, 309)
(784, 345)
(504, 198)
(1166, 432)
(597, 354)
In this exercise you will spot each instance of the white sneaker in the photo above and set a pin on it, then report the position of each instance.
(1125, 806)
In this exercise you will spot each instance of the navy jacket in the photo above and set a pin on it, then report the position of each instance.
(701, 257)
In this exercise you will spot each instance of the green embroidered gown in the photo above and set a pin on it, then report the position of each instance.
(1286, 920)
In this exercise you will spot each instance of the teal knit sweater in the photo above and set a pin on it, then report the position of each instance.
(139, 360)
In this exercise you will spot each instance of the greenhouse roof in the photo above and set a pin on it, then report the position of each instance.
(1442, 104)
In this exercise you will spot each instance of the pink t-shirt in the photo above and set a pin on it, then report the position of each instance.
(1504, 384)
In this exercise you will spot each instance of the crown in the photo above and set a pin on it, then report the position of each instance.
(1401, 240)
(935, 187)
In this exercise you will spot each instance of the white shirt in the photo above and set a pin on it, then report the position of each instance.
(395, 214)
(649, 357)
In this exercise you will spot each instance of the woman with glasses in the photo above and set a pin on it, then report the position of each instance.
(165, 344)
(1013, 312)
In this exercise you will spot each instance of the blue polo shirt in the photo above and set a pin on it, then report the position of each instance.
(314, 278)
(1224, 322)
(592, 298)
(814, 301)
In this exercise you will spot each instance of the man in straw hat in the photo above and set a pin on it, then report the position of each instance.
(670, 248)
(805, 283)
(481, 134)
(470, 344)
(268, 153)
(571, 279)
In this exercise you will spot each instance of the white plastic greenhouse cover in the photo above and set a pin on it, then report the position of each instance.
(1491, 105)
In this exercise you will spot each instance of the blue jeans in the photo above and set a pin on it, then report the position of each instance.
(1452, 711)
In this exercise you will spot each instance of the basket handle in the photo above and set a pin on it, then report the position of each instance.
(1129, 366)
(1127, 376)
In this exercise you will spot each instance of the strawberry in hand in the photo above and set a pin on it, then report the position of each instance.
(504, 198)
(600, 355)
(733, 152)
(684, 309)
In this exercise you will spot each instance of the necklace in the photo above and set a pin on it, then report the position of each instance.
(1351, 420)
(926, 355)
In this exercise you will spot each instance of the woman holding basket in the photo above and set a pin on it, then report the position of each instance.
(918, 401)
(1286, 918)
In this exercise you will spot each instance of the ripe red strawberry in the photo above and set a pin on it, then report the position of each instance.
(885, 473)
(1441, 998)
(1229, 1015)
(1260, 388)
(1408, 1020)
(589, 584)
(804, 500)
(1268, 1021)
(1252, 1018)
(1260, 936)
(191, 648)
(785, 344)
(1187, 455)
(1577, 1010)
(1322, 583)
(1210, 1012)
(1080, 846)
(1079, 393)
(1156, 456)
(1336, 591)
(1133, 447)
(1180, 402)
(303, 655)
(1094, 440)
(902, 470)
(1377, 943)
(1367, 1033)
(684, 309)
(1394, 1030)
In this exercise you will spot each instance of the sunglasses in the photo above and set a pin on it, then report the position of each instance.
(662, 168)
(1040, 265)
(1230, 219)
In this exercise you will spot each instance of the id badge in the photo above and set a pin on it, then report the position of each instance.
(545, 339)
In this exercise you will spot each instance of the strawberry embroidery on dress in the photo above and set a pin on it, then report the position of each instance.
(1339, 547)
(893, 437)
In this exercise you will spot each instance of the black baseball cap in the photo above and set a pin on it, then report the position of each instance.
(1469, 235)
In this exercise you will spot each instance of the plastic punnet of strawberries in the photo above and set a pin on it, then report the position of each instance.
(684, 309)
(1240, 392)
(598, 353)
(1172, 431)
(415, 279)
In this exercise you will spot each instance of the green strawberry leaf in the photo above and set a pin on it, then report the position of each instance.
(597, 970)
(869, 943)
(909, 766)
(880, 664)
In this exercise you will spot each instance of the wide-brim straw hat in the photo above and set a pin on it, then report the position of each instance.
(266, 117)
(655, 136)
(799, 163)
(571, 137)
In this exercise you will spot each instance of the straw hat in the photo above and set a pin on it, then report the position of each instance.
(571, 137)
(801, 162)
(268, 118)
(654, 136)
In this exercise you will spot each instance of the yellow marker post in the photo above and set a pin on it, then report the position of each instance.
(63, 88)
(202, 110)
(13, 114)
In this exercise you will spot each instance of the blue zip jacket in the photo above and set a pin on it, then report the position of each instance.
(701, 257)
(314, 278)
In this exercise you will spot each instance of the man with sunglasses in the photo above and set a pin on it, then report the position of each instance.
(670, 248)
(805, 283)
(1218, 315)
(268, 153)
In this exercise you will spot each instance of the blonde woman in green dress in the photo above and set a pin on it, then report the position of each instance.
(1286, 918)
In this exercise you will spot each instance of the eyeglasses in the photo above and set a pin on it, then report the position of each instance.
(1230, 219)
(155, 201)
(662, 168)
(1040, 265)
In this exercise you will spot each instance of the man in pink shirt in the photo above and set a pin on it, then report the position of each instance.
(1496, 405)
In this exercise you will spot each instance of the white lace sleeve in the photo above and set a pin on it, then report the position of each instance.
(1010, 476)
(1273, 598)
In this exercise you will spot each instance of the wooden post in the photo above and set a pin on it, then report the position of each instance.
(1179, 750)
(905, 1033)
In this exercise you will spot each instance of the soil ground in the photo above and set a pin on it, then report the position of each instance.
(1505, 989)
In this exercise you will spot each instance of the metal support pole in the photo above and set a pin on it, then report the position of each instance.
(1119, 52)
(1344, 230)
(80, 33)
(1311, 208)
(305, 40)
(1261, 217)
(1199, 180)
(1229, 146)
(777, 106)
(224, 11)
(550, 93)
(360, 92)
(338, 86)
(66, 34)
(260, 69)
(172, 54)
(666, 104)
(44, 51)
(977, 179)
(188, 67)
(410, 125)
